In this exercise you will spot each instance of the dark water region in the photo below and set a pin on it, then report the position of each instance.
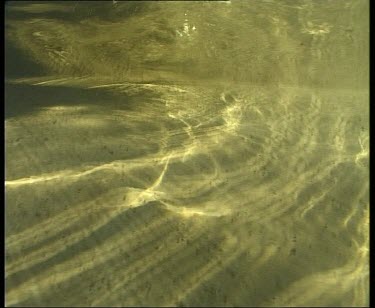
(187, 153)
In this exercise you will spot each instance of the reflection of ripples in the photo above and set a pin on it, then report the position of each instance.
(190, 195)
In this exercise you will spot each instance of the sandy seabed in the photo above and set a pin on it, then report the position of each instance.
(130, 182)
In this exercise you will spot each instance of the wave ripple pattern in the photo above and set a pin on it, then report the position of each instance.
(187, 153)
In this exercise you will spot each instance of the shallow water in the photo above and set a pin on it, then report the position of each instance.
(187, 153)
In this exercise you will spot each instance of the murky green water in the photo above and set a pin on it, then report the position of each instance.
(187, 153)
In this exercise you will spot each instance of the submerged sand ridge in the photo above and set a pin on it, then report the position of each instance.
(206, 176)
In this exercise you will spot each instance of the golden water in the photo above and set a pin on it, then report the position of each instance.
(187, 153)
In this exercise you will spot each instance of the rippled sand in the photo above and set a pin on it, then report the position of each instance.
(160, 189)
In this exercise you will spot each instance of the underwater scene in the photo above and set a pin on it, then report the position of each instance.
(187, 153)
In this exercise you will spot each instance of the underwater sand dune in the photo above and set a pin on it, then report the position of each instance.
(155, 217)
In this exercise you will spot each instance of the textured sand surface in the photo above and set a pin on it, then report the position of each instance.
(187, 154)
